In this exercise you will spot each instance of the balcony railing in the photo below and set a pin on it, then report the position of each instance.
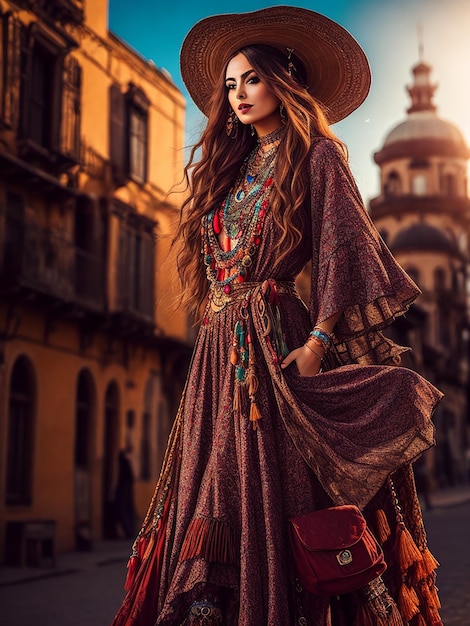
(89, 282)
(135, 272)
(64, 10)
(37, 259)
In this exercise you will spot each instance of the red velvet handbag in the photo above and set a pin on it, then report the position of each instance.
(334, 551)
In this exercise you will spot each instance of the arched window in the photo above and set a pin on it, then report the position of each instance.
(21, 424)
(110, 456)
(83, 461)
(458, 280)
(413, 273)
(443, 326)
(83, 419)
(439, 279)
(145, 460)
(392, 186)
(419, 185)
(449, 185)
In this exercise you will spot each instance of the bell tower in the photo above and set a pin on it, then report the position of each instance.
(423, 214)
(422, 91)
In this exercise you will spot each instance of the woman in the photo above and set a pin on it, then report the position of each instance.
(287, 408)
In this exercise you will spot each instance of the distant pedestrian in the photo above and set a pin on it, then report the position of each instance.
(124, 495)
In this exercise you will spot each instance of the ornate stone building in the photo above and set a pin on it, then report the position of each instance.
(423, 213)
(91, 360)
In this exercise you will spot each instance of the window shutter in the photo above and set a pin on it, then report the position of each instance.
(147, 274)
(25, 82)
(122, 267)
(71, 109)
(137, 116)
(132, 270)
(12, 36)
(117, 123)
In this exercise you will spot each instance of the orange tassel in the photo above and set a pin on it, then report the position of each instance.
(210, 539)
(431, 562)
(133, 566)
(255, 415)
(432, 615)
(429, 593)
(435, 595)
(425, 567)
(408, 552)
(430, 603)
(408, 602)
(382, 527)
(237, 398)
(234, 357)
(419, 620)
(419, 572)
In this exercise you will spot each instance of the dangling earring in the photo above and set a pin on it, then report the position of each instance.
(231, 127)
(282, 113)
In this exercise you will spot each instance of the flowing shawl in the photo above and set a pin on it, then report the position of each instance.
(354, 425)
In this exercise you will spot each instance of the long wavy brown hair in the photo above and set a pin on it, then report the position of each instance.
(211, 177)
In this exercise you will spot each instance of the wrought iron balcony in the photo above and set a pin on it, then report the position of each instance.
(36, 259)
(65, 11)
(134, 310)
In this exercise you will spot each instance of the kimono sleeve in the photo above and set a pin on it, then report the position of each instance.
(353, 271)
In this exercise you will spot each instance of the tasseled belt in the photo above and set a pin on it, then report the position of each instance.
(265, 296)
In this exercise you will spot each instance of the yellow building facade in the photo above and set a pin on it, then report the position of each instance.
(92, 357)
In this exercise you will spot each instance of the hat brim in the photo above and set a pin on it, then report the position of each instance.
(337, 70)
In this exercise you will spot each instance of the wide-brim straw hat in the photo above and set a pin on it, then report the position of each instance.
(337, 70)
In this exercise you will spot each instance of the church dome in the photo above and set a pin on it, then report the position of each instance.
(423, 133)
(426, 125)
(423, 238)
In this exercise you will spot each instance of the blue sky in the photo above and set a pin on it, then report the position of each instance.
(386, 29)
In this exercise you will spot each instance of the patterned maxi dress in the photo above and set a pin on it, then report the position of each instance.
(229, 484)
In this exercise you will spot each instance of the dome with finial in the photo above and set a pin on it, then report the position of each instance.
(424, 237)
(423, 133)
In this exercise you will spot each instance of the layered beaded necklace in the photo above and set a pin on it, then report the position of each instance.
(241, 218)
(256, 171)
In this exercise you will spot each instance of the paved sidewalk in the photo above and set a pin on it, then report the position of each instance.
(104, 553)
(118, 551)
(450, 496)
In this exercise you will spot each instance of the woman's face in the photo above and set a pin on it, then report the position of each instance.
(250, 98)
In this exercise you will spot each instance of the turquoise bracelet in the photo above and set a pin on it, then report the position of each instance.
(322, 335)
